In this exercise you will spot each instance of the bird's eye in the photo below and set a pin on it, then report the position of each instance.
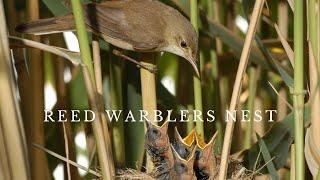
(183, 44)
(153, 134)
(180, 168)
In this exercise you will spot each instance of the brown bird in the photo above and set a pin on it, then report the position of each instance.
(136, 25)
(182, 168)
(157, 145)
(205, 165)
(184, 146)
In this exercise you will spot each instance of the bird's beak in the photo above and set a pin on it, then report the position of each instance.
(193, 62)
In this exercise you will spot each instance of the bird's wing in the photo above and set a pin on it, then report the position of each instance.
(111, 18)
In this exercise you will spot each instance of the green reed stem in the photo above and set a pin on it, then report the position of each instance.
(82, 36)
(196, 80)
(252, 95)
(91, 87)
(298, 94)
(116, 102)
(211, 7)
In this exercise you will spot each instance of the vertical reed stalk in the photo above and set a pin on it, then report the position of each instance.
(148, 86)
(82, 36)
(90, 86)
(23, 80)
(148, 91)
(36, 115)
(190, 123)
(283, 18)
(49, 79)
(237, 86)
(97, 128)
(196, 80)
(217, 18)
(283, 27)
(298, 93)
(98, 76)
(13, 157)
(4, 160)
(66, 146)
(230, 15)
(61, 90)
(252, 94)
(183, 82)
(134, 136)
(116, 102)
(213, 14)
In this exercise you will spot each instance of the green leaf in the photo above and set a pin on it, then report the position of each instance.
(267, 159)
(283, 73)
(278, 140)
(56, 7)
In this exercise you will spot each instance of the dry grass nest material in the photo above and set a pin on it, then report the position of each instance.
(236, 171)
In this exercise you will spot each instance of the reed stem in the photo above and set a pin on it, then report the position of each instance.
(148, 87)
(104, 121)
(252, 95)
(91, 88)
(148, 91)
(196, 80)
(134, 134)
(13, 156)
(82, 36)
(36, 90)
(237, 86)
(213, 14)
(298, 93)
(116, 102)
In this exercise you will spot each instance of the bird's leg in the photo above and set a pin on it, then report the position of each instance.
(152, 69)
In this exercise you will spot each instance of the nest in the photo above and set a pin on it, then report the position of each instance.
(133, 174)
(236, 171)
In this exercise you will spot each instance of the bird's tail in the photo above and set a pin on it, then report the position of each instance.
(48, 26)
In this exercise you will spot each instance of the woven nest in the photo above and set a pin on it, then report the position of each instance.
(236, 171)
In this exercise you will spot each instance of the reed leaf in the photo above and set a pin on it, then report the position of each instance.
(73, 57)
(267, 159)
(285, 45)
